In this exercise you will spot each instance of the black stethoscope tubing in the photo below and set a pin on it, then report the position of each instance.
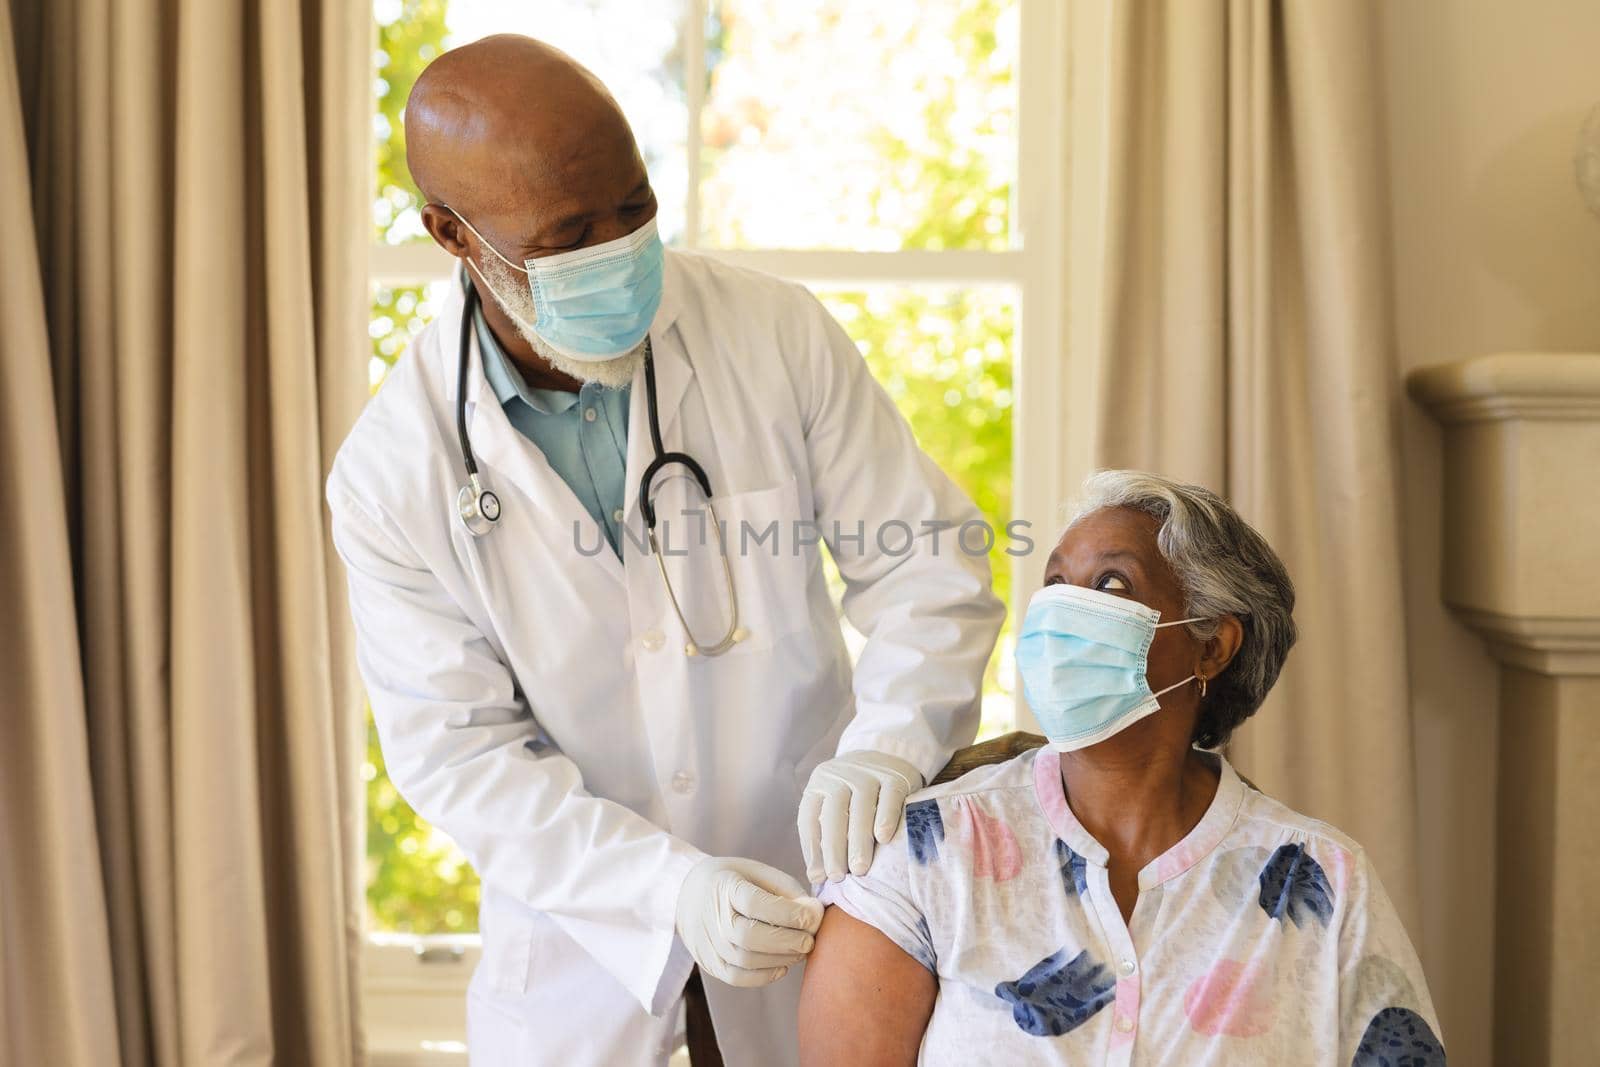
(479, 509)
(463, 353)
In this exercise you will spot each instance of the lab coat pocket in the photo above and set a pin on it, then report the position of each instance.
(769, 550)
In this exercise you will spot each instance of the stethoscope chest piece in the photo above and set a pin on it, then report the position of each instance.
(478, 507)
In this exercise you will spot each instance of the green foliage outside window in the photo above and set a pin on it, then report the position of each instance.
(944, 355)
(417, 881)
(945, 359)
(411, 34)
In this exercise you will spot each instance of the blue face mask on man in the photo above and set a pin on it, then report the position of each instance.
(1083, 655)
(593, 304)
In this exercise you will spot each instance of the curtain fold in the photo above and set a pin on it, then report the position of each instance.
(1229, 287)
(54, 953)
(186, 349)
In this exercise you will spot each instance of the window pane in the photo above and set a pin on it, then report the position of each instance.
(631, 45)
(399, 312)
(418, 882)
(945, 358)
(411, 34)
(868, 126)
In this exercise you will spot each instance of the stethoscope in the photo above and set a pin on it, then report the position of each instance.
(479, 508)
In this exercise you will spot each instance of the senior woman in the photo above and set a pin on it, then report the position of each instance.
(1121, 896)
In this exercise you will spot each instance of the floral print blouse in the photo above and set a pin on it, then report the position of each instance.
(1263, 937)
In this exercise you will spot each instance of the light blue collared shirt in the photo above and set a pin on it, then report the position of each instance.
(584, 436)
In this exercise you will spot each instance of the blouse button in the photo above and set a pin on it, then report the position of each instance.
(1124, 1024)
(1127, 968)
(589, 415)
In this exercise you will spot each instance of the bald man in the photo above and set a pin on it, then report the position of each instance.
(581, 525)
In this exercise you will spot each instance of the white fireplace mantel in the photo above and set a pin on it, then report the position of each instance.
(1522, 502)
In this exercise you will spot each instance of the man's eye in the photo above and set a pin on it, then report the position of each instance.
(560, 242)
(1111, 583)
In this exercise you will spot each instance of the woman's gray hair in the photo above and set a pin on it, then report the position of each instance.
(1225, 568)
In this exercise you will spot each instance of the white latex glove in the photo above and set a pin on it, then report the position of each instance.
(850, 801)
(745, 923)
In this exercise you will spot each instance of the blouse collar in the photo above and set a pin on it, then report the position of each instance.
(1207, 834)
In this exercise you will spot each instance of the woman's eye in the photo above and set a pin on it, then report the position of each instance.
(1111, 583)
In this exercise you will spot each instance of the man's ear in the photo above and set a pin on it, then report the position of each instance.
(1220, 650)
(446, 229)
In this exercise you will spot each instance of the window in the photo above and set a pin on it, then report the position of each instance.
(903, 158)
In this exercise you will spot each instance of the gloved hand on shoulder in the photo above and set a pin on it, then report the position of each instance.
(851, 801)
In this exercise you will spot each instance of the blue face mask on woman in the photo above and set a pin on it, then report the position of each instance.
(1082, 656)
(594, 304)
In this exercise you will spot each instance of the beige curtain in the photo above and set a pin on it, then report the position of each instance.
(184, 348)
(1231, 326)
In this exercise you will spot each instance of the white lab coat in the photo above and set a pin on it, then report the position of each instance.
(536, 702)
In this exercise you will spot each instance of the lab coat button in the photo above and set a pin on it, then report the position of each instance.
(683, 782)
(589, 415)
(653, 640)
(1127, 968)
(616, 516)
(1124, 1023)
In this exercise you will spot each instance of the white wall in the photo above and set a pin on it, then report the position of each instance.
(1494, 251)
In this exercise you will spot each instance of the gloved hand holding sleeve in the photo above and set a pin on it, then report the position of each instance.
(851, 801)
(745, 923)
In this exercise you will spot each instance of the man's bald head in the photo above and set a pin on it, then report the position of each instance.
(524, 142)
(522, 154)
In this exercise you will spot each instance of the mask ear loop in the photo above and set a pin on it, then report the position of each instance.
(462, 219)
(475, 269)
(1192, 677)
(1177, 685)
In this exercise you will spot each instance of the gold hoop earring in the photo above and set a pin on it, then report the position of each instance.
(1202, 689)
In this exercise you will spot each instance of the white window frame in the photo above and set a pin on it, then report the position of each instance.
(402, 973)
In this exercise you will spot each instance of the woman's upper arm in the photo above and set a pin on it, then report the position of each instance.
(865, 1000)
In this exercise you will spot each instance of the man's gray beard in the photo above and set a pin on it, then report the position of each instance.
(608, 373)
